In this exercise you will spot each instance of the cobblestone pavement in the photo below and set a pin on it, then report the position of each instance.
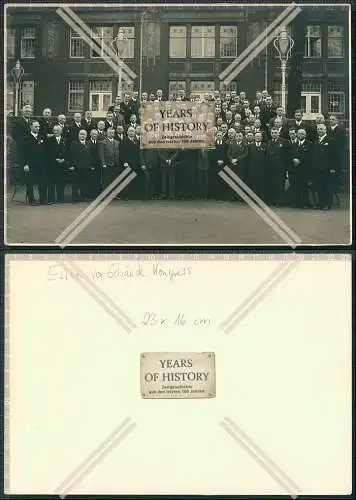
(174, 222)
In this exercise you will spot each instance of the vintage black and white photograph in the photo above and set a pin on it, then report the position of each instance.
(177, 124)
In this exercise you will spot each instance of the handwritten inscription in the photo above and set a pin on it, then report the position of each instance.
(119, 271)
(152, 319)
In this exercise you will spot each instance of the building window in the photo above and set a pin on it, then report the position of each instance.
(127, 46)
(76, 95)
(76, 45)
(335, 41)
(11, 42)
(230, 87)
(313, 42)
(311, 98)
(102, 37)
(202, 87)
(174, 86)
(177, 41)
(28, 41)
(203, 41)
(336, 97)
(9, 97)
(228, 41)
(100, 96)
(27, 93)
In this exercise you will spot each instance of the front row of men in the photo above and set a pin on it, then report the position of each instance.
(90, 166)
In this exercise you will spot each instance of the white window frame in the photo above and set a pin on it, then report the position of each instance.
(23, 38)
(228, 38)
(11, 37)
(129, 50)
(70, 92)
(202, 38)
(307, 113)
(342, 38)
(308, 38)
(181, 38)
(102, 40)
(202, 92)
(179, 84)
(73, 35)
(23, 93)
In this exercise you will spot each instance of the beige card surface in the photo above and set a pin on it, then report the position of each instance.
(280, 421)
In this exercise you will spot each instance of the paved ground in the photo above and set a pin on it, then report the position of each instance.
(174, 222)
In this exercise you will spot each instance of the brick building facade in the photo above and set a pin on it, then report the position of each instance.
(169, 47)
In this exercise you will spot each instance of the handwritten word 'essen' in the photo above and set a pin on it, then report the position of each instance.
(173, 376)
(119, 271)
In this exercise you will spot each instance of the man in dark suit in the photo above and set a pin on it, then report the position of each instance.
(217, 161)
(168, 158)
(46, 124)
(321, 168)
(95, 174)
(125, 108)
(237, 153)
(135, 103)
(131, 157)
(34, 164)
(300, 171)
(276, 168)
(118, 117)
(56, 156)
(88, 123)
(21, 129)
(120, 133)
(75, 128)
(109, 154)
(268, 111)
(62, 122)
(299, 123)
(339, 153)
(79, 161)
(101, 130)
(203, 165)
(109, 120)
(150, 160)
(256, 165)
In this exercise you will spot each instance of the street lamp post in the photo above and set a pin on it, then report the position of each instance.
(283, 43)
(118, 49)
(17, 73)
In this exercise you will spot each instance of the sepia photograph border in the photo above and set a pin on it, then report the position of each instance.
(294, 243)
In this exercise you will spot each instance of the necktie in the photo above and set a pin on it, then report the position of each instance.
(58, 140)
(258, 145)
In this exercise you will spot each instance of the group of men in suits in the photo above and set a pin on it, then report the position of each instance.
(265, 149)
